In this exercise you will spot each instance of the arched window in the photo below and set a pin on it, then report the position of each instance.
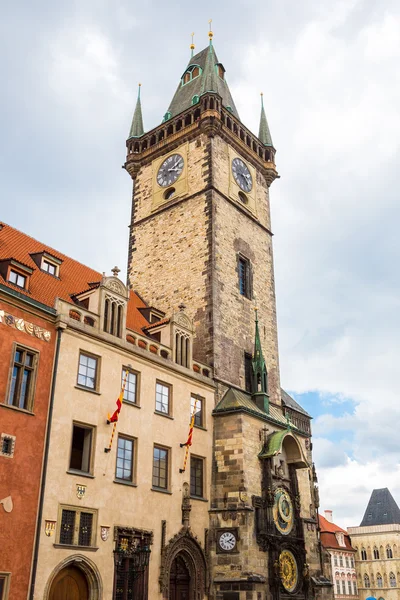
(195, 72)
(363, 554)
(195, 99)
(376, 553)
(392, 580)
(379, 580)
(113, 316)
(367, 583)
(192, 72)
(182, 349)
(389, 553)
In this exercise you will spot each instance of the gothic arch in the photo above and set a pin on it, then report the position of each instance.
(88, 567)
(185, 545)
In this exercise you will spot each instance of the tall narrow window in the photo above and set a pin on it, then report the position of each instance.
(81, 449)
(355, 592)
(338, 587)
(160, 467)
(196, 401)
(389, 553)
(343, 586)
(196, 476)
(113, 316)
(24, 367)
(131, 575)
(244, 277)
(392, 580)
(124, 467)
(130, 393)
(248, 371)
(363, 554)
(379, 580)
(349, 587)
(376, 553)
(87, 371)
(163, 398)
(367, 582)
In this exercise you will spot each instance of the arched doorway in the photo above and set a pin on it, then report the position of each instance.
(69, 584)
(179, 580)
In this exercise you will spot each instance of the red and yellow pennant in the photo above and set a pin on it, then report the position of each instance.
(115, 416)
(188, 442)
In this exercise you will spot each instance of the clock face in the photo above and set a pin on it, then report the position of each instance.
(170, 170)
(288, 571)
(242, 175)
(283, 511)
(227, 541)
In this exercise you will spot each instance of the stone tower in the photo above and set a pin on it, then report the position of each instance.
(200, 235)
(200, 232)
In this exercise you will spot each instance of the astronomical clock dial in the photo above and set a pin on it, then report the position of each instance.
(227, 541)
(288, 570)
(242, 175)
(170, 170)
(283, 511)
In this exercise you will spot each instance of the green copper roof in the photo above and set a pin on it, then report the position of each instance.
(258, 363)
(264, 134)
(236, 400)
(207, 81)
(137, 129)
(274, 446)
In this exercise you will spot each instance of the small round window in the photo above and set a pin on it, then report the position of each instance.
(169, 193)
(243, 198)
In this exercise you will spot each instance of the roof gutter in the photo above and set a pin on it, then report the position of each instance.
(44, 470)
(27, 300)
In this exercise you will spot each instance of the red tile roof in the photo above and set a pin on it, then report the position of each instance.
(157, 323)
(74, 277)
(328, 537)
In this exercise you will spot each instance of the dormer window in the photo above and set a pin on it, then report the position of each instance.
(192, 72)
(17, 278)
(47, 262)
(220, 70)
(49, 267)
(113, 316)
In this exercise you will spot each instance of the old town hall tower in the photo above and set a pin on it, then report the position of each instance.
(200, 236)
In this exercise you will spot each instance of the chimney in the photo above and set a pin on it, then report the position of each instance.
(328, 516)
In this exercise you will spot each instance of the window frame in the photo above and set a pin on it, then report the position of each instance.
(29, 403)
(78, 511)
(18, 274)
(202, 424)
(169, 387)
(50, 263)
(6, 437)
(167, 487)
(6, 577)
(130, 371)
(92, 429)
(97, 371)
(247, 278)
(200, 460)
(132, 480)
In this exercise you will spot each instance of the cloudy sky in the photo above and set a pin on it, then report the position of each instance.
(331, 81)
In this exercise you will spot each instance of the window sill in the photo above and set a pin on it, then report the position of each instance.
(22, 410)
(201, 427)
(161, 490)
(161, 414)
(85, 389)
(75, 547)
(129, 403)
(199, 498)
(80, 473)
(128, 483)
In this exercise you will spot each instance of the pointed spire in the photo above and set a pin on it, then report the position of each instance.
(264, 134)
(192, 46)
(209, 83)
(260, 376)
(137, 129)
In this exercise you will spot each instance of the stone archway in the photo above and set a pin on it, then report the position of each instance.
(184, 568)
(74, 564)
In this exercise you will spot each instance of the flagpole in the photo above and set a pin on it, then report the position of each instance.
(189, 440)
(114, 418)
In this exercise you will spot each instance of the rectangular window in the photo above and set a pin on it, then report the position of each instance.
(17, 279)
(199, 414)
(196, 476)
(343, 586)
(244, 277)
(49, 267)
(338, 587)
(127, 585)
(4, 585)
(87, 371)
(81, 451)
(163, 398)
(7, 445)
(349, 587)
(78, 526)
(125, 457)
(130, 393)
(355, 588)
(248, 371)
(160, 467)
(23, 376)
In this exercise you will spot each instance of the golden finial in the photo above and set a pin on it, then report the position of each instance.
(192, 46)
(210, 33)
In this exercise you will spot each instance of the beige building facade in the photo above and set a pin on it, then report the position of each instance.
(103, 510)
(377, 544)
